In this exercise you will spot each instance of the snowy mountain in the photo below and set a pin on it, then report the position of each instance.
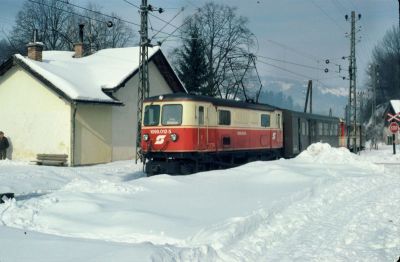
(324, 97)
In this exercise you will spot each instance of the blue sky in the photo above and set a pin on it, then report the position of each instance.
(301, 31)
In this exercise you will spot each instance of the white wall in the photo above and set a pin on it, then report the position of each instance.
(93, 134)
(33, 117)
(124, 118)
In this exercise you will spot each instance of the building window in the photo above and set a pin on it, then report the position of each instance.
(224, 117)
(171, 115)
(151, 115)
(265, 120)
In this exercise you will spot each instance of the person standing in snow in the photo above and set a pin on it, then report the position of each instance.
(3, 146)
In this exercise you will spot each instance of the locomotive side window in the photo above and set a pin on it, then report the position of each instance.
(224, 117)
(201, 115)
(278, 120)
(171, 115)
(151, 115)
(265, 120)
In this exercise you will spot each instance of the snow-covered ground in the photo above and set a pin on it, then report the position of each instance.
(325, 205)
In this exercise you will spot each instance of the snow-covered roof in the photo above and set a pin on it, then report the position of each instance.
(395, 105)
(84, 79)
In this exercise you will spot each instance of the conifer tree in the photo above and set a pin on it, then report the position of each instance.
(191, 62)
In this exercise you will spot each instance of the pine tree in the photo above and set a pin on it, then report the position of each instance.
(191, 62)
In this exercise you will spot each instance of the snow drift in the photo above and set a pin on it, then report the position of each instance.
(325, 205)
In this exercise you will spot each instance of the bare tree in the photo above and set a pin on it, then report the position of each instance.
(50, 17)
(227, 41)
(104, 32)
(6, 50)
(386, 56)
(384, 75)
(57, 22)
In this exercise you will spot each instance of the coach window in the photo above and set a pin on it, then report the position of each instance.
(171, 115)
(307, 128)
(224, 117)
(326, 129)
(201, 115)
(303, 128)
(151, 115)
(265, 120)
(320, 129)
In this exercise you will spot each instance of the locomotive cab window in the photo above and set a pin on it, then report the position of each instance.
(265, 120)
(171, 115)
(224, 117)
(151, 115)
(201, 115)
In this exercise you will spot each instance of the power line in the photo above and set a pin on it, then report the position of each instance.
(341, 10)
(296, 74)
(291, 63)
(167, 23)
(284, 69)
(132, 4)
(97, 12)
(352, 4)
(327, 15)
(77, 14)
(341, 5)
(176, 29)
(152, 15)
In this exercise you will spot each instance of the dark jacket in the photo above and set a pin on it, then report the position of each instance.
(4, 143)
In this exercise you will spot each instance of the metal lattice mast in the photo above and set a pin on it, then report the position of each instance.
(352, 106)
(144, 86)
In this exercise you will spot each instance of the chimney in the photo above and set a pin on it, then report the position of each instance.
(78, 47)
(35, 48)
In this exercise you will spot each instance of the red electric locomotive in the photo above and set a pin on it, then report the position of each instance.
(183, 133)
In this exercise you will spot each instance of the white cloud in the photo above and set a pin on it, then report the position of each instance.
(337, 91)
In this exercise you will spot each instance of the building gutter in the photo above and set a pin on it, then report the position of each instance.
(73, 118)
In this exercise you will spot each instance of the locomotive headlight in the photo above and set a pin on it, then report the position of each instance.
(146, 137)
(174, 137)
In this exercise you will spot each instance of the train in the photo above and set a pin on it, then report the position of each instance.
(184, 134)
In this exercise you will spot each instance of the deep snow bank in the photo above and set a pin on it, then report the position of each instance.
(325, 205)
(324, 153)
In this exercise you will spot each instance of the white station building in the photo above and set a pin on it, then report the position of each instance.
(60, 102)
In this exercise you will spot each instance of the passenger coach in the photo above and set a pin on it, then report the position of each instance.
(184, 133)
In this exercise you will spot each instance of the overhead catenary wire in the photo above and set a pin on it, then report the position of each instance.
(81, 15)
(327, 15)
(153, 15)
(167, 23)
(339, 6)
(292, 63)
(295, 51)
(98, 12)
(303, 76)
(311, 57)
